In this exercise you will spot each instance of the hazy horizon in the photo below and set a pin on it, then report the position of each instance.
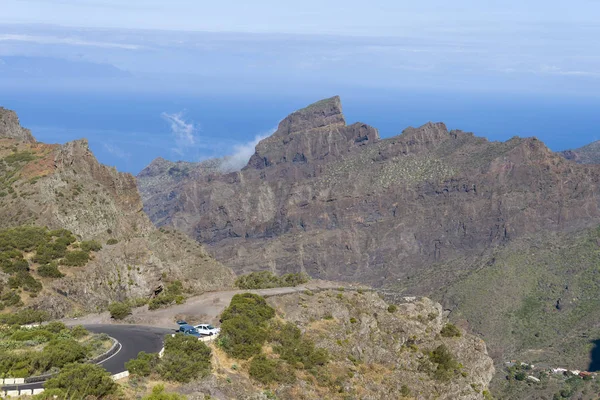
(229, 72)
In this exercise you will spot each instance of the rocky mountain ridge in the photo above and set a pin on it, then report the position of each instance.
(337, 202)
(589, 154)
(64, 187)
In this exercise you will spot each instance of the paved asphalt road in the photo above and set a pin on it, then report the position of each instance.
(133, 339)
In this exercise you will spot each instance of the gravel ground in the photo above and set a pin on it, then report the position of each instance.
(199, 309)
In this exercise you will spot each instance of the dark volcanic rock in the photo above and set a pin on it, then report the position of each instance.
(339, 203)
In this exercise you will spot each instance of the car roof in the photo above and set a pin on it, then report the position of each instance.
(186, 326)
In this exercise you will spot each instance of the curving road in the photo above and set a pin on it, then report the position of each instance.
(133, 339)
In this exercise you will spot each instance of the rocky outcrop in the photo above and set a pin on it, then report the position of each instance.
(315, 133)
(64, 186)
(337, 202)
(376, 352)
(12, 129)
(589, 154)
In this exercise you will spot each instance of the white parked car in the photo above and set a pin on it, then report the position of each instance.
(207, 329)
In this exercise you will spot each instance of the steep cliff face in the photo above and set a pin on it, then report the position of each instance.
(11, 128)
(64, 186)
(337, 202)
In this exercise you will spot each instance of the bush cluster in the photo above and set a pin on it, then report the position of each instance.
(143, 365)
(450, 330)
(266, 280)
(49, 247)
(265, 370)
(296, 349)
(81, 381)
(447, 366)
(19, 359)
(185, 358)
(247, 324)
(23, 317)
(158, 393)
(244, 325)
(119, 310)
(172, 294)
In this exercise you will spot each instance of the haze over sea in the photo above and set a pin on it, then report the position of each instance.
(149, 90)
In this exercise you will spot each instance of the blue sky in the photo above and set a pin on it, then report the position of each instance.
(174, 58)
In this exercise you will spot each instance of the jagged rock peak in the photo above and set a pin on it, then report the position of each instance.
(313, 133)
(322, 113)
(11, 128)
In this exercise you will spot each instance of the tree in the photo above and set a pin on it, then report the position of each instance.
(81, 380)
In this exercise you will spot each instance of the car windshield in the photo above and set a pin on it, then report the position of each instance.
(210, 327)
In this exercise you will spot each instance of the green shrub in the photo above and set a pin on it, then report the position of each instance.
(446, 364)
(119, 310)
(143, 365)
(82, 380)
(243, 328)
(172, 294)
(79, 331)
(11, 298)
(111, 242)
(267, 371)
(40, 335)
(241, 337)
(77, 258)
(50, 271)
(55, 327)
(297, 350)
(185, 358)
(23, 279)
(353, 320)
(250, 305)
(158, 393)
(450, 330)
(90, 245)
(266, 280)
(23, 317)
(392, 308)
(60, 352)
(405, 391)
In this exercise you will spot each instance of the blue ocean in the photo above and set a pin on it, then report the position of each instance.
(129, 130)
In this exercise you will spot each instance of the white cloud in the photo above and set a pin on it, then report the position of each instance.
(242, 153)
(73, 41)
(182, 131)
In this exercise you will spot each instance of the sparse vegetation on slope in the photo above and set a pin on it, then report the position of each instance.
(266, 280)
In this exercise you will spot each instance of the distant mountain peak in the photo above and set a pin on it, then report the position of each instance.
(11, 128)
(322, 113)
(315, 132)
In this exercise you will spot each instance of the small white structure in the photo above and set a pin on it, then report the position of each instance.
(558, 370)
(533, 379)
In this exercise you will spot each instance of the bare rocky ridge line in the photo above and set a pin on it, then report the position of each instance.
(64, 186)
(339, 203)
